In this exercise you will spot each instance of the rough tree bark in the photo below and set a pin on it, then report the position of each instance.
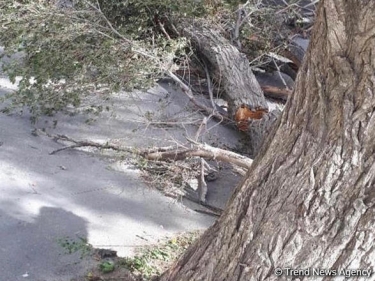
(231, 70)
(229, 66)
(308, 199)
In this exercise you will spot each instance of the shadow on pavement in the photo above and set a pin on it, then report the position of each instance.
(34, 250)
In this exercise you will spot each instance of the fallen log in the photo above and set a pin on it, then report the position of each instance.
(231, 70)
(228, 66)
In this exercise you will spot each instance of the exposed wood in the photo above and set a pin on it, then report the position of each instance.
(199, 150)
(230, 68)
(232, 72)
(244, 115)
(202, 150)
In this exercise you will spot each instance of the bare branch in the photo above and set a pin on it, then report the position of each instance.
(202, 125)
(205, 151)
(275, 92)
(161, 26)
(162, 153)
(209, 85)
(236, 32)
(98, 9)
(186, 89)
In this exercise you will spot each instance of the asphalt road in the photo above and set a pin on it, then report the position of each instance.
(73, 194)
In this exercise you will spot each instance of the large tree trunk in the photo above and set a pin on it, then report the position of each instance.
(308, 199)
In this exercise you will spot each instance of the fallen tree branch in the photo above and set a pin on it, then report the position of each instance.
(276, 92)
(164, 153)
(167, 153)
(208, 206)
(86, 143)
(208, 213)
(226, 64)
(225, 155)
(187, 91)
(202, 150)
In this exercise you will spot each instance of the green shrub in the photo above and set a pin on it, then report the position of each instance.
(89, 49)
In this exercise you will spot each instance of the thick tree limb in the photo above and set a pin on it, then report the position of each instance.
(246, 101)
(230, 67)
